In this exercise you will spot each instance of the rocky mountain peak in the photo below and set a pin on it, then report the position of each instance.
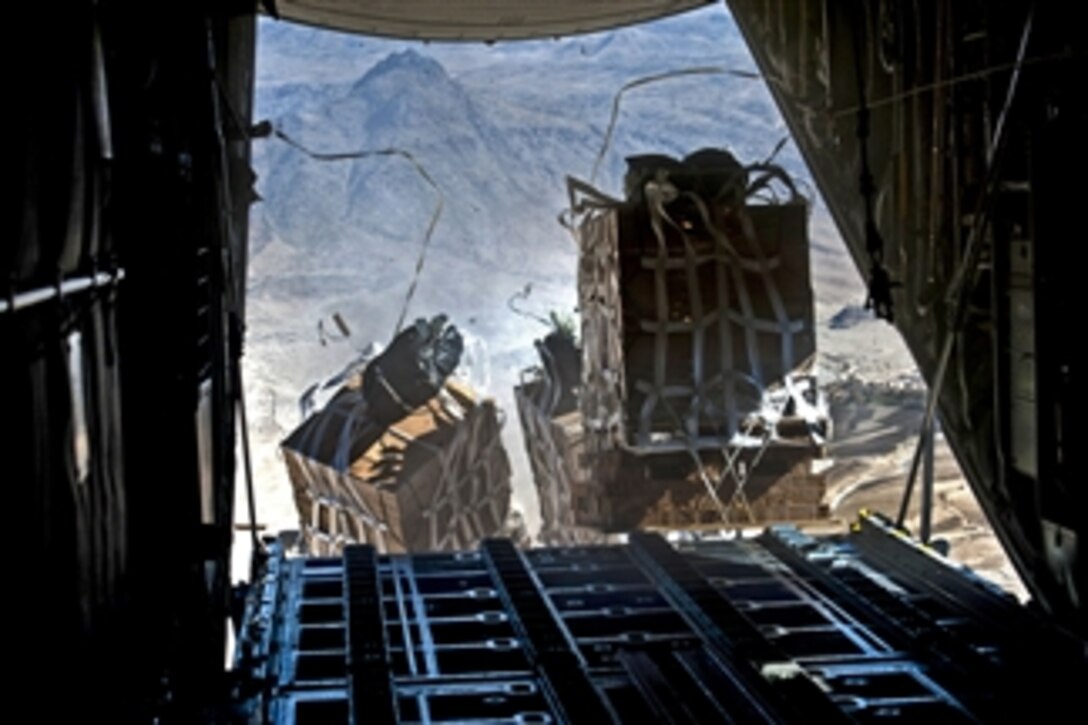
(406, 66)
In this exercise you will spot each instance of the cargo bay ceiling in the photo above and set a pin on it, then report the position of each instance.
(472, 20)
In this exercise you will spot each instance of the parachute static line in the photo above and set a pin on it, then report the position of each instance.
(599, 198)
(423, 174)
(648, 80)
(523, 296)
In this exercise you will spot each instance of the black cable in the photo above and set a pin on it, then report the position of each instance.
(523, 294)
(655, 78)
(879, 299)
(264, 128)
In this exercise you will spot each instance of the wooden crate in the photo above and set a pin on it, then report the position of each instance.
(437, 480)
(571, 510)
(697, 332)
(580, 503)
(684, 329)
(782, 488)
